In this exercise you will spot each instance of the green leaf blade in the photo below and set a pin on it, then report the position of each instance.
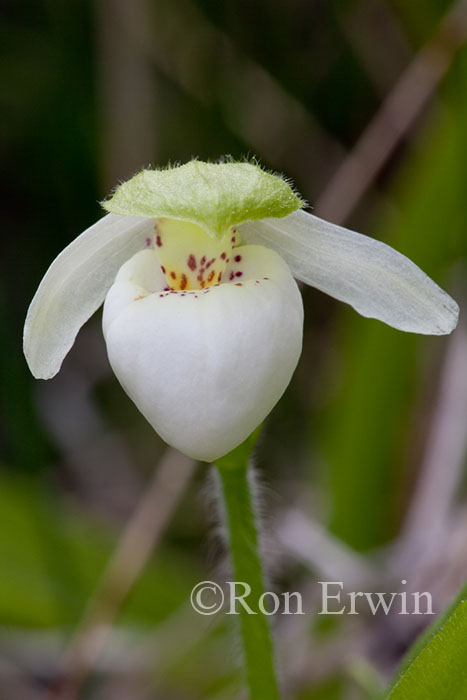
(436, 668)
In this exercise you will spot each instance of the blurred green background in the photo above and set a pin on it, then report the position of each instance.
(363, 103)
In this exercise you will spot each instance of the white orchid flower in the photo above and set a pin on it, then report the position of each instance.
(202, 316)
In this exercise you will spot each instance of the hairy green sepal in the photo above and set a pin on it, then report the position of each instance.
(215, 196)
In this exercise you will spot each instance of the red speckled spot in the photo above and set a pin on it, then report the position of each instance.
(183, 282)
(148, 242)
(191, 262)
(232, 276)
(162, 295)
(223, 256)
(233, 239)
(173, 275)
(211, 276)
(238, 258)
(219, 277)
(158, 241)
(203, 260)
(238, 274)
(239, 284)
(163, 269)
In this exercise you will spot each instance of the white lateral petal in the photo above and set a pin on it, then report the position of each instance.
(75, 286)
(205, 367)
(375, 279)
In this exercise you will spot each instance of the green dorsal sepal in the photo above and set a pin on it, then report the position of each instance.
(216, 196)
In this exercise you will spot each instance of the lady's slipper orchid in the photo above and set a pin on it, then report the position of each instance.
(202, 317)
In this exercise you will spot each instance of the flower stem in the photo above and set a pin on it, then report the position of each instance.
(240, 519)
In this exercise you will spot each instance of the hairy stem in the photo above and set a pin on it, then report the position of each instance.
(241, 524)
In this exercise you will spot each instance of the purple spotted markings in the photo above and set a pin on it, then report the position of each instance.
(191, 260)
(193, 263)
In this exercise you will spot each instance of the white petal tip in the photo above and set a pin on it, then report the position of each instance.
(449, 318)
(75, 286)
(376, 280)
